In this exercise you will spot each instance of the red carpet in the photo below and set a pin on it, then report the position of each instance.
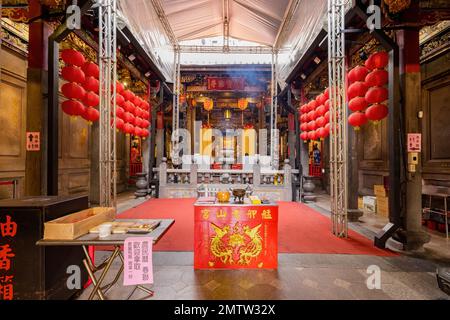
(300, 229)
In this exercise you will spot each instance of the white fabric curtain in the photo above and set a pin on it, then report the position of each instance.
(143, 21)
(308, 19)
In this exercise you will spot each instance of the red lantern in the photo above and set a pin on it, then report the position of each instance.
(72, 90)
(145, 105)
(145, 115)
(137, 121)
(137, 131)
(73, 107)
(128, 117)
(358, 73)
(138, 112)
(379, 60)
(72, 57)
(119, 87)
(377, 78)
(321, 110)
(146, 124)
(312, 135)
(304, 108)
(377, 95)
(120, 112)
(327, 116)
(90, 69)
(129, 106)
(358, 104)
(304, 118)
(320, 99)
(312, 105)
(377, 112)
(327, 128)
(119, 99)
(91, 99)
(73, 74)
(91, 115)
(369, 63)
(312, 115)
(357, 119)
(357, 89)
(119, 123)
(326, 94)
(91, 84)
(312, 125)
(128, 128)
(304, 136)
(323, 133)
(145, 133)
(137, 101)
(128, 95)
(304, 127)
(321, 121)
(327, 104)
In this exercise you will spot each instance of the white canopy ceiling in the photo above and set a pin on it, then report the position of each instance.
(252, 20)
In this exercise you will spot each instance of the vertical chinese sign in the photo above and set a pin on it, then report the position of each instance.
(236, 237)
(8, 230)
(138, 262)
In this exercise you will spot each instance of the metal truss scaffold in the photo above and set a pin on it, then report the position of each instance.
(107, 134)
(274, 144)
(338, 137)
(176, 108)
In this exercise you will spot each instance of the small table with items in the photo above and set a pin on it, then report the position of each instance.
(235, 236)
(115, 240)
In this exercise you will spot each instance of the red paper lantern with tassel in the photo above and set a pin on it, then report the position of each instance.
(145, 133)
(304, 127)
(72, 57)
(377, 78)
(91, 115)
(321, 121)
(73, 74)
(358, 104)
(129, 106)
(304, 136)
(312, 135)
(119, 87)
(357, 89)
(90, 69)
(128, 95)
(377, 95)
(120, 112)
(73, 107)
(119, 124)
(91, 99)
(73, 90)
(91, 84)
(312, 125)
(321, 110)
(357, 119)
(128, 128)
(377, 112)
(358, 73)
(119, 99)
(379, 60)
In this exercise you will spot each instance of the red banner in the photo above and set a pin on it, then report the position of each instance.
(226, 84)
(236, 237)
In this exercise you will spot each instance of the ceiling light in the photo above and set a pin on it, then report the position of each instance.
(131, 57)
(303, 76)
(317, 60)
(148, 74)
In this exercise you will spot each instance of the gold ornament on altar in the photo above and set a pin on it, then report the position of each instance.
(243, 241)
(396, 6)
(208, 104)
(243, 103)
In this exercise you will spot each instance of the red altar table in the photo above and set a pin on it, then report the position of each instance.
(235, 236)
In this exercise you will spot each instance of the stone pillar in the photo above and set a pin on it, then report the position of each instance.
(256, 175)
(411, 83)
(37, 91)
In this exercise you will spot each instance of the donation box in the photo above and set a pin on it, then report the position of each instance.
(31, 272)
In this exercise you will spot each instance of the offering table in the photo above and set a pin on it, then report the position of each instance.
(235, 236)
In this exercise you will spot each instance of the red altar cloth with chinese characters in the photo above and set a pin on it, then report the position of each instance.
(233, 236)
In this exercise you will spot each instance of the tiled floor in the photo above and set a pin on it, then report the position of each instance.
(299, 276)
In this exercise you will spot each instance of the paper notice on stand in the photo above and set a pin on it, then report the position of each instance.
(138, 263)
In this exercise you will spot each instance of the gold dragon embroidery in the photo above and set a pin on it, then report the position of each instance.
(244, 242)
